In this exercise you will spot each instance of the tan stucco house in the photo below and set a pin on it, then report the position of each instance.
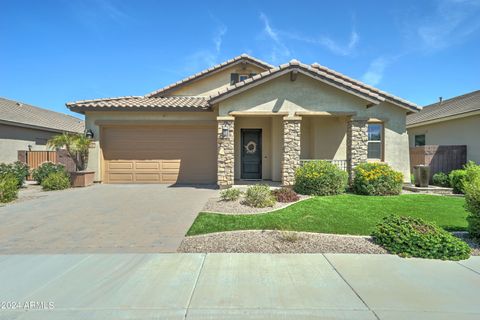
(245, 119)
(455, 121)
(26, 127)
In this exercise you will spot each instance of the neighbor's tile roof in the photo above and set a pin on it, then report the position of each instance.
(323, 73)
(24, 114)
(455, 106)
(140, 103)
(228, 63)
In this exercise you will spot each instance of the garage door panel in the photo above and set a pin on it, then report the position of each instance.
(114, 177)
(159, 154)
(147, 165)
(147, 177)
(120, 165)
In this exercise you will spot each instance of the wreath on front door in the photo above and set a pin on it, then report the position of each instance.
(251, 147)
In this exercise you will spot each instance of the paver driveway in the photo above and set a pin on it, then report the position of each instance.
(102, 218)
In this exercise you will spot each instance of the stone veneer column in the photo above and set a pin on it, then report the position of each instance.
(291, 149)
(357, 144)
(225, 152)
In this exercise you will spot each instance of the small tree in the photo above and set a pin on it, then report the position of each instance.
(77, 146)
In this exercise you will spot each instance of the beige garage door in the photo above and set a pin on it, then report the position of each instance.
(159, 154)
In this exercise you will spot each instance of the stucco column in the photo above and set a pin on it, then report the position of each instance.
(291, 149)
(357, 144)
(225, 151)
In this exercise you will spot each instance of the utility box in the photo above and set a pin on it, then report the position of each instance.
(421, 174)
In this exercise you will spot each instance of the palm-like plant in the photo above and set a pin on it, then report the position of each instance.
(77, 146)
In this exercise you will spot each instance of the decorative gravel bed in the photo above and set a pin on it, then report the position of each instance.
(236, 207)
(278, 242)
(474, 245)
(270, 241)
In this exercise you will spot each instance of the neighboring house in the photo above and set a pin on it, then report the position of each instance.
(245, 119)
(25, 127)
(455, 121)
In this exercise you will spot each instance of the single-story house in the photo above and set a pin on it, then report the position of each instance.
(245, 119)
(455, 121)
(26, 127)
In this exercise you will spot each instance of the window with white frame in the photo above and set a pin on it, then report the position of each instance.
(375, 137)
(242, 77)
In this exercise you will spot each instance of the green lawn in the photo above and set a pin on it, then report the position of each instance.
(342, 214)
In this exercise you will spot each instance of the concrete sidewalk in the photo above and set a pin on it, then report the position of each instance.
(237, 286)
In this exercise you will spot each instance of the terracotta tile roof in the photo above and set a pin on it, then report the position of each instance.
(452, 107)
(19, 113)
(140, 103)
(322, 73)
(218, 67)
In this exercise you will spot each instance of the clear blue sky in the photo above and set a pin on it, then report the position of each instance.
(54, 51)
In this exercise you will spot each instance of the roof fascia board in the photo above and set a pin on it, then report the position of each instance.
(443, 119)
(31, 126)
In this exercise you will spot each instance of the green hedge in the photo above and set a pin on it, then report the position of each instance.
(56, 181)
(8, 187)
(456, 180)
(377, 179)
(320, 178)
(18, 169)
(441, 179)
(471, 187)
(45, 169)
(414, 237)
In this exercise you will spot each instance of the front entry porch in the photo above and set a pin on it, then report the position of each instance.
(270, 147)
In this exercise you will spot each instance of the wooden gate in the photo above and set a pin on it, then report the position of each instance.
(35, 158)
(439, 158)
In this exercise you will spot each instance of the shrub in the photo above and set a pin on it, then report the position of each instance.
(471, 187)
(456, 180)
(320, 178)
(56, 181)
(8, 187)
(441, 179)
(259, 196)
(285, 195)
(45, 169)
(18, 169)
(414, 237)
(231, 194)
(377, 179)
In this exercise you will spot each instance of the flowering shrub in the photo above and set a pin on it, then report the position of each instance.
(320, 178)
(377, 179)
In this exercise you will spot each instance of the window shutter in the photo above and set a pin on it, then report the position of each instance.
(251, 74)
(233, 78)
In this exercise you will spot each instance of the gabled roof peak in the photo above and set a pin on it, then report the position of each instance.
(211, 70)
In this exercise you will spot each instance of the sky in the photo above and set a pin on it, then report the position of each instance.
(55, 51)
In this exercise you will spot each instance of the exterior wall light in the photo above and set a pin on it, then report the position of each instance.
(225, 131)
(89, 134)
